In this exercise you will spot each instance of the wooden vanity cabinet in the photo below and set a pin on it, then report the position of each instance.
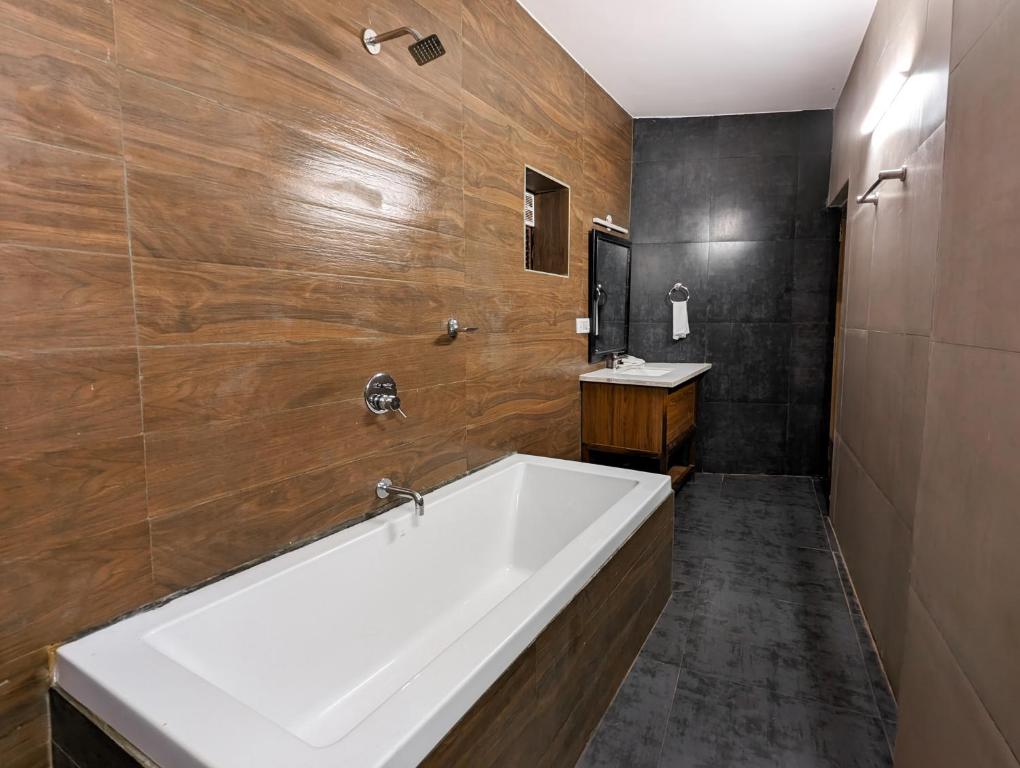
(639, 426)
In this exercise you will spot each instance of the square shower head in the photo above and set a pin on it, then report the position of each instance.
(427, 49)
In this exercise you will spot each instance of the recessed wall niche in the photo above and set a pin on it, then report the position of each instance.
(546, 223)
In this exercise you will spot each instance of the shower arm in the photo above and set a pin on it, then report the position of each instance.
(393, 34)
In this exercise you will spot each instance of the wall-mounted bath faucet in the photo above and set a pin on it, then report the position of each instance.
(385, 487)
(381, 395)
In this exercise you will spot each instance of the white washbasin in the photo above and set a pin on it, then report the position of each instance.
(642, 370)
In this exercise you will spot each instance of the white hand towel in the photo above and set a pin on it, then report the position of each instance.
(680, 326)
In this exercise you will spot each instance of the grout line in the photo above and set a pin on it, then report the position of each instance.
(61, 147)
(134, 304)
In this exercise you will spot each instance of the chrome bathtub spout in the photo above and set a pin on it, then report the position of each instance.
(385, 487)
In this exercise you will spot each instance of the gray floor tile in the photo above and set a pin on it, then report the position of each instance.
(668, 637)
(716, 723)
(632, 730)
(803, 574)
(771, 656)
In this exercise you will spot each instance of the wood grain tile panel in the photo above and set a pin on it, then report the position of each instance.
(507, 37)
(515, 94)
(316, 33)
(202, 541)
(24, 730)
(190, 220)
(56, 399)
(60, 495)
(547, 309)
(246, 380)
(55, 197)
(195, 303)
(606, 123)
(96, 578)
(509, 372)
(51, 94)
(190, 49)
(551, 428)
(82, 25)
(64, 298)
(174, 132)
(186, 467)
(496, 150)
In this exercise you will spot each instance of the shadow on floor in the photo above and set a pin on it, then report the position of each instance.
(762, 657)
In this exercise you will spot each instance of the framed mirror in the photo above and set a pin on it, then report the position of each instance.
(608, 295)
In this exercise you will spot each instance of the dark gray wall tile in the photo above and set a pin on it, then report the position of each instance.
(807, 439)
(753, 198)
(815, 264)
(670, 139)
(750, 281)
(670, 201)
(815, 131)
(750, 362)
(772, 134)
(735, 207)
(654, 342)
(654, 270)
(814, 217)
(743, 437)
(810, 363)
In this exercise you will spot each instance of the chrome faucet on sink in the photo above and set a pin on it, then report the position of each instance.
(385, 487)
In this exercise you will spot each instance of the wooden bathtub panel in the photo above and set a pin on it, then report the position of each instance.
(543, 709)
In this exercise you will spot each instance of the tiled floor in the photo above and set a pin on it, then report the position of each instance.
(759, 659)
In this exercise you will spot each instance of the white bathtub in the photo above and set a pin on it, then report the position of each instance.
(364, 648)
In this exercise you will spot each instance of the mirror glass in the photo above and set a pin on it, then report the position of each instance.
(608, 295)
(546, 224)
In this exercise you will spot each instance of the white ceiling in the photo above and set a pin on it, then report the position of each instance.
(677, 58)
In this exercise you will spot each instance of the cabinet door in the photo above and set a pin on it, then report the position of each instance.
(622, 416)
(680, 412)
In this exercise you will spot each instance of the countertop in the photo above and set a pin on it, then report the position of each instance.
(641, 376)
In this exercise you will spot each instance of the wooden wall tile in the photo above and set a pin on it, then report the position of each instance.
(55, 399)
(55, 197)
(60, 495)
(82, 25)
(510, 372)
(185, 219)
(186, 467)
(195, 303)
(64, 298)
(24, 731)
(208, 539)
(185, 47)
(176, 133)
(71, 586)
(51, 94)
(247, 380)
(511, 41)
(331, 41)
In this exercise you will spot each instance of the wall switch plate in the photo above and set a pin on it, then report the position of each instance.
(583, 325)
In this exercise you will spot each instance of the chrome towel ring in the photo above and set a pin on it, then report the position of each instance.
(679, 292)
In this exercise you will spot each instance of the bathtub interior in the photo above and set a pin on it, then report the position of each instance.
(356, 623)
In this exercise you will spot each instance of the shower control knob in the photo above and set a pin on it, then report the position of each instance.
(381, 395)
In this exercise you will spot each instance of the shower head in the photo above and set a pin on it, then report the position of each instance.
(423, 49)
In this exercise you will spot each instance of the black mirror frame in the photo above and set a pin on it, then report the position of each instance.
(594, 239)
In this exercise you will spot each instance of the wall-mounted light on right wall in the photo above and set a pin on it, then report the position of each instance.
(886, 95)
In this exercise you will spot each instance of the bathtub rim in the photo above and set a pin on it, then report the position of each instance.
(412, 721)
